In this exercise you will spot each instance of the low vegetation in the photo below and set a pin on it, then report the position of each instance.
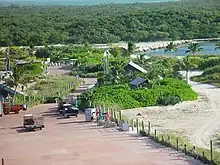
(164, 92)
(50, 85)
(211, 67)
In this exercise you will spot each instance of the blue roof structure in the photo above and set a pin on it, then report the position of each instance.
(138, 81)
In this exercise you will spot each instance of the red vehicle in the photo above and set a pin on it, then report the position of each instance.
(13, 108)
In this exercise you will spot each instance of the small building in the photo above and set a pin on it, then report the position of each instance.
(131, 67)
(138, 82)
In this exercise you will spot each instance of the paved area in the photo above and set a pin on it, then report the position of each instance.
(75, 142)
(72, 141)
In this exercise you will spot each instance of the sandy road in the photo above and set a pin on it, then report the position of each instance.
(197, 120)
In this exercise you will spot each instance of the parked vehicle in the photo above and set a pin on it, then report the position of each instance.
(70, 111)
(63, 107)
(32, 123)
(13, 108)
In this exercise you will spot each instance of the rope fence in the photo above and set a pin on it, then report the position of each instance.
(143, 128)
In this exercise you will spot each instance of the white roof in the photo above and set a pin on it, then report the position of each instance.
(66, 104)
(28, 115)
(137, 67)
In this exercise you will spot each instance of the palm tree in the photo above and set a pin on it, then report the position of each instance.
(171, 47)
(193, 48)
(131, 47)
(141, 59)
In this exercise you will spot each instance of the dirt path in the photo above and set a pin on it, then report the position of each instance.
(197, 120)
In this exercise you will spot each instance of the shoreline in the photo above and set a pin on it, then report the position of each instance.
(141, 46)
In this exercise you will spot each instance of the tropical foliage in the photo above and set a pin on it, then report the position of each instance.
(125, 97)
(40, 25)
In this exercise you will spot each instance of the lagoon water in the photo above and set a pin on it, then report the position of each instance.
(208, 49)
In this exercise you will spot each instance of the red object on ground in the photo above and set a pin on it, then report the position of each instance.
(107, 116)
(16, 108)
(97, 112)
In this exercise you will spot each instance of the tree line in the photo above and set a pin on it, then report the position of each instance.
(41, 25)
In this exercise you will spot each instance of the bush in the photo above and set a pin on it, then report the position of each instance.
(168, 100)
(215, 69)
(165, 92)
(73, 73)
(210, 75)
(210, 62)
(89, 75)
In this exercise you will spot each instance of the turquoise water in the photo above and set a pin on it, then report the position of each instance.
(208, 49)
(75, 2)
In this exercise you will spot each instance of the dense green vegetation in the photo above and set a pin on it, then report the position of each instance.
(38, 25)
(164, 86)
(164, 92)
(211, 67)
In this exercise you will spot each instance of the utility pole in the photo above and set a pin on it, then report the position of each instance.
(106, 62)
(7, 63)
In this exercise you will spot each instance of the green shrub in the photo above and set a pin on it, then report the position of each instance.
(165, 92)
(168, 100)
(73, 73)
(89, 75)
(210, 75)
(210, 62)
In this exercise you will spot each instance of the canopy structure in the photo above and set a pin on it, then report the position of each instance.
(5, 90)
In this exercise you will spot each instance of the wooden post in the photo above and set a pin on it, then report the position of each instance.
(103, 108)
(142, 125)
(203, 156)
(148, 128)
(168, 138)
(29, 98)
(137, 126)
(177, 144)
(120, 115)
(162, 139)
(155, 133)
(132, 124)
(111, 114)
(24, 99)
(185, 150)
(211, 150)
(115, 117)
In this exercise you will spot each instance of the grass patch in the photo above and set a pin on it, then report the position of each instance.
(50, 85)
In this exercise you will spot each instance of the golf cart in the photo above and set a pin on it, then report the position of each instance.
(70, 111)
(64, 107)
(62, 104)
(31, 123)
